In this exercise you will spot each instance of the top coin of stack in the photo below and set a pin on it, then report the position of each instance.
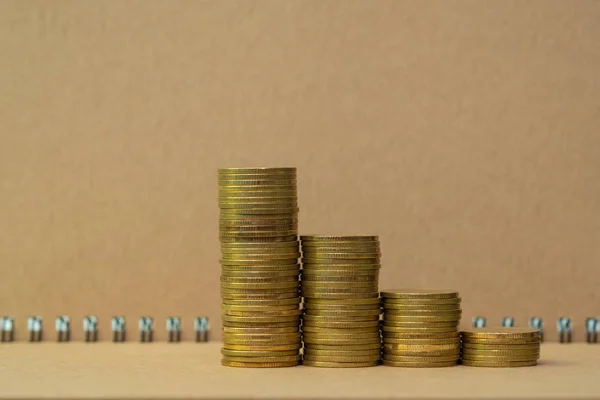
(500, 347)
(339, 282)
(258, 228)
(420, 328)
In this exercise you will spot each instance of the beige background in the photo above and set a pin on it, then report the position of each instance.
(464, 133)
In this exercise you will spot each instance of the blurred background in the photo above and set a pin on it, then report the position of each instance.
(464, 133)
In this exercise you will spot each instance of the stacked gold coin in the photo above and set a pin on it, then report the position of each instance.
(500, 347)
(420, 328)
(339, 284)
(258, 228)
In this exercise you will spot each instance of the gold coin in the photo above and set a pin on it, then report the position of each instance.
(261, 313)
(316, 285)
(256, 170)
(342, 335)
(229, 194)
(493, 353)
(500, 333)
(340, 279)
(247, 353)
(346, 256)
(340, 273)
(357, 266)
(446, 325)
(424, 347)
(325, 262)
(422, 318)
(243, 222)
(340, 244)
(258, 285)
(245, 176)
(324, 364)
(252, 342)
(260, 263)
(255, 229)
(260, 269)
(323, 318)
(260, 324)
(269, 359)
(419, 294)
(508, 341)
(335, 341)
(231, 337)
(502, 347)
(339, 358)
(446, 355)
(344, 347)
(498, 364)
(340, 324)
(421, 359)
(350, 302)
(424, 313)
(261, 347)
(451, 354)
(259, 365)
(342, 313)
(335, 292)
(258, 280)
(259, 275)
(313, 294)
(319, 251)
(238, 319)
(235, 296)
(261, 247)
(419, 364)
(479, 357)
(325, 331)
(397, 309)
(342, 307)
(337, 238)
(421, 302)
(259, 204)
(228, 309)
(275, 212)
(419, 333)
(243, 235)
(260, 303)
(392, 342)
(234, 182)
(258, 331)
(449, 325)
(259, 257)
(341, 352)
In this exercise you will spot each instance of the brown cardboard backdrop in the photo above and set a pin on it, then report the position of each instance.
(464, 133)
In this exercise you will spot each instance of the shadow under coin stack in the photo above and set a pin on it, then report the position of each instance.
(258, 230)
(500, 347)
(420, 328)
(339, 283)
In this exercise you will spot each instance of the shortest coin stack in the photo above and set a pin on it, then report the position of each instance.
(500, 347)
(420, 328)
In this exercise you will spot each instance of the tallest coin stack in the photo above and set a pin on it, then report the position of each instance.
(258, 231)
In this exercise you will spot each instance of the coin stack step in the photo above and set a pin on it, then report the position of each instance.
(258, 231)
(500, 347)
(420, 328)
(339, 285)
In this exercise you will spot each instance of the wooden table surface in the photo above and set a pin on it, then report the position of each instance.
(190, 370)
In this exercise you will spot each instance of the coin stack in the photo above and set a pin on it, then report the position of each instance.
(420, 328)
(258, 230)
(500, 347)
(339, 284)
